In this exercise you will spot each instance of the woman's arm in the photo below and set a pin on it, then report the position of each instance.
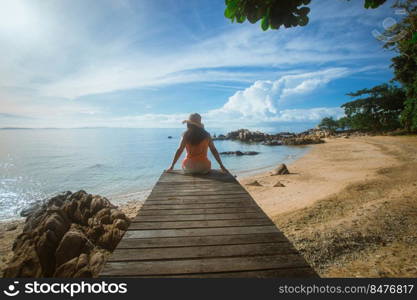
(217, 156)
(177, 155)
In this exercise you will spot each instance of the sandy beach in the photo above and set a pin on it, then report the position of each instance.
(326, 169)
(349, 206)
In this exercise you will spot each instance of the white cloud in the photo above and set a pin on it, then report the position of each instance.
(261, 100)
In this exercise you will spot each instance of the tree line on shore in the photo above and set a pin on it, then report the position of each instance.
(382, 109)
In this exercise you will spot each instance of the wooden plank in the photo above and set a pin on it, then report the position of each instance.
(201, 252)
(227, 210)
(213, 174)
(198, 231)
(181, 182)
(195, 194)
(233, 216)
(202, 197)
(197, 201)
(147, 206)
(186, 177)
(199, 224)
(195, 186)
(202, 240)
(205, 265)
(184, 184)
(200, 189)
(299, 272)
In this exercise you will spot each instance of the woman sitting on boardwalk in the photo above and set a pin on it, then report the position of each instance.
(196, 141)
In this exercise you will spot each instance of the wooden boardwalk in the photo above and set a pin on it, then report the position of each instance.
(203, 226)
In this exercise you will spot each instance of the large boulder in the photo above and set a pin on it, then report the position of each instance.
(25, 263)
(311, 136)
(68, 235)
(246, 135)
(273, 142)
(78, 264)
(73, 243)
(280, 170)
(302, 140)
(26, 212)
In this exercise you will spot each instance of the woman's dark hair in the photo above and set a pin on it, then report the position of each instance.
(195, 135)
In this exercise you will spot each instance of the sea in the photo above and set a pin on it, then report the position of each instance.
(121, 164)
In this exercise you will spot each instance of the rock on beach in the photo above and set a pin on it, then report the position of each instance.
(69, 235)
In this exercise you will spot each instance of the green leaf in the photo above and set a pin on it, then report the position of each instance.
(265, 23)
(228, 13)
(241, 18)
(294, 21)
(374, 3)
(414, 38)
(251, 12)
(303, 20)
(303, 11)
(233, 4)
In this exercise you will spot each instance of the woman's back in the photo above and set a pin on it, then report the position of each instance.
(196, 160)
(198, 151)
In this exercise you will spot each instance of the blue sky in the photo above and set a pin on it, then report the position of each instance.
(149, 63)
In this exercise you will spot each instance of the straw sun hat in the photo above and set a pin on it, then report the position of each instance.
(194, 119)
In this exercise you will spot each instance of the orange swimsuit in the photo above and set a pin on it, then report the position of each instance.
(196, 160)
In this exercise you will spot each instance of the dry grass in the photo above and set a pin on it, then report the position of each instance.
(369, 229)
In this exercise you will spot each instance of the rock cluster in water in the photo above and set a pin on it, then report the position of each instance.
(313, 136)
(239, 153)
(69, 235)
